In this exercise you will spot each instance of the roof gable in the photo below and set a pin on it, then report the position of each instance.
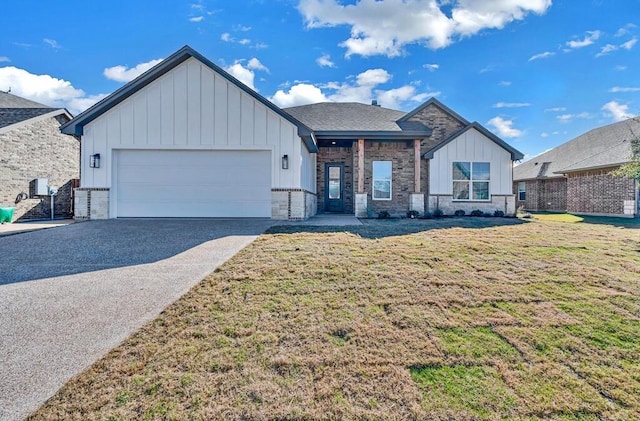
(515, 154)
(12, 118)
(438, 104)
(76, 125)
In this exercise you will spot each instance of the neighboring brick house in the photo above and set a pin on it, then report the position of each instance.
(575, 177)
(188, 139)
(32, 147)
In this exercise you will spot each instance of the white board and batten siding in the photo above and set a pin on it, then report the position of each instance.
(192, 108)
(471, 146)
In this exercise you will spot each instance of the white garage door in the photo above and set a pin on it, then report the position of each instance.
(192, 183)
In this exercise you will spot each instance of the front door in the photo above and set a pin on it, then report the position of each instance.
(334, 188)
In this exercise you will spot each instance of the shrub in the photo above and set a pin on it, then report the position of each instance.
(498, 214)
(487, 214)
(459, 212)
(427, 215)
(438, 213)
(384, 215)
(476, 212)
(412, 214)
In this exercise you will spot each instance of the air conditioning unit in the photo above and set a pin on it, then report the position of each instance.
(41, 187)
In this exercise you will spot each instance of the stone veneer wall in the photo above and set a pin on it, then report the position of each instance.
(336, 155)
(292, 204)
(402, 177)
(38, 150)
(504, 203)
(91, 203)
(598, 192)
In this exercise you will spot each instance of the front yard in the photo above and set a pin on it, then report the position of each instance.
(466, 318)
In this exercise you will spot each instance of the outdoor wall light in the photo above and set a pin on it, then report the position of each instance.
(94, 161)
(285, 162)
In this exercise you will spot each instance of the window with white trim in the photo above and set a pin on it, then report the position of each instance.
(471, 180)
(382, 180)
(522, 191)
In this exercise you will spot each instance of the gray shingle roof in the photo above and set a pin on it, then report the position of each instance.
(9, 116)
(347, 116)
(8, 100)
(599, 148)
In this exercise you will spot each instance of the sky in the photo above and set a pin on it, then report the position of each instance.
(537, 73)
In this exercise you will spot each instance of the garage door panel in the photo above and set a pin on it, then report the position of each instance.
(193, 183)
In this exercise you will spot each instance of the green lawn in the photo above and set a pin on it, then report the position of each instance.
(460, 318)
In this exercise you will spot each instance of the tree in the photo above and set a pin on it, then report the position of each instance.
(632, 168)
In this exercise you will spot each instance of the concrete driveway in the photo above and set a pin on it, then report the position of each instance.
(70, 294)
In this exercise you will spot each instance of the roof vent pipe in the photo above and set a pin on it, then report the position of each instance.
(375, 103)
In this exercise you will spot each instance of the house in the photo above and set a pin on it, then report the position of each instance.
(575, 177)
(35, 157)
(186, 139)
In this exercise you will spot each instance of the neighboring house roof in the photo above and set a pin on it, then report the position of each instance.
(8, 100)
(76, 125)
(515, 154)
(603, 147)
(10, 116)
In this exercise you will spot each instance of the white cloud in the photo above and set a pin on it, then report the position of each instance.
(363, 88)
(123, 74)
(384, 27)
(586, 41)
(616, 89)
(555, 109)
(300, 94)
(241, 28)
(617, 111)
(226, 37)
(246, 74)
(504, 128)
(4, 59)
(431, 67)
(46, 89)
(546, 54)
(325, 61)
(244, 41)
(196, 19)
(620, 68)
(425, 95)
(504, 83)
(52, 43)
(544, 134)
(624, 30)
(565, 118)
(255, 64)
(511, 104)
(609, 48)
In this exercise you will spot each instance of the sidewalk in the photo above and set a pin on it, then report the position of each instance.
(20, 227)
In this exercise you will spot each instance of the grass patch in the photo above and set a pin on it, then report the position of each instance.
(456, 318)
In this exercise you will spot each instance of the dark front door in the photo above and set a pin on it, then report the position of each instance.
(334, 188)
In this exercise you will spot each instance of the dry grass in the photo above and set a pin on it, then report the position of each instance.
(451, 319)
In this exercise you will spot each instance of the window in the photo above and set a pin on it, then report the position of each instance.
(381, 180)
(522, 191)
(471, 180)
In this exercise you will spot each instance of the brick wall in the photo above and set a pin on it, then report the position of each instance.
(544, 195)
(336, 155)
(402, 163)
(38, 150)
(598, 192)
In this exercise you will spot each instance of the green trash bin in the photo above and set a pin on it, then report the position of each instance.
(6, 215)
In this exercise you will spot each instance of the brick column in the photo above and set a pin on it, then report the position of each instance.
(361, 204)
(416, 166)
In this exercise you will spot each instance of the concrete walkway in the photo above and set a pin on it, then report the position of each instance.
(68, 295)
(20, 227)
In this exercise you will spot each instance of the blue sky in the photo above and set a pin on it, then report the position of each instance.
(535, 72)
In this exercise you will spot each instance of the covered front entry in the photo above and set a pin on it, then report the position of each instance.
(334, 187)
(192, 183)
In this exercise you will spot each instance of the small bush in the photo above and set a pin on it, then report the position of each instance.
(413, 214)
(476, 212)
(438, 213)
(384, 215)
(459, 212)
(498, 214)
(487, 214)
(427, 215)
